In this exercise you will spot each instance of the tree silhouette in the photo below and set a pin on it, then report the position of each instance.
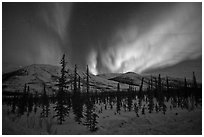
(79, 84)
(87, 79)
(61, 105)
(75, 78)
(151, 102)
(13, 110)
(129, 102)
(195, 86)
(136, 108)
(141, 87)
(35, 100)
(118, 105)
(159, 83)
(118, 87)
(23, 102)
(143, 110)
(45, 104)
(151, 83)
(30, 103)
(167, 84)
(77, 107)
(90, 115)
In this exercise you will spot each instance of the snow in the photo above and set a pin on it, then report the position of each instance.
(175, 121)
(186, 122)
(38, 74)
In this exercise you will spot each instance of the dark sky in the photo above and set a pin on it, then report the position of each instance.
(109, 37)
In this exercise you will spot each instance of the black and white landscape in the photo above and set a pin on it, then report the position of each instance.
(101, 68)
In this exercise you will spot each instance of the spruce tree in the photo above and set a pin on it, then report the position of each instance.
(159, 83)
(167, 83)
(87, 79)
(45, 104)
(185, 87)
(141, 87)
(79, 84)
(75, 78)
(151, 84)
(118, 87)
(194, 81)
(185, 83)
(61, 109)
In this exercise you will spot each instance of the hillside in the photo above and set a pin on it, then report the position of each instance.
(38, 74)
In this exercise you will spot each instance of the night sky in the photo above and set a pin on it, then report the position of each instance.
(109, 37)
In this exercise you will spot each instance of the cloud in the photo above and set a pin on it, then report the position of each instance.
(35, 32)
(173, 37)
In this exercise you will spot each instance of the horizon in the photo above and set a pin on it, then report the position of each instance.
(167, 71)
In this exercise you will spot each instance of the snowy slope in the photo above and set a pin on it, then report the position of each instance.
(34, 76)
(135, 79)
(39, 74)
(109, 75)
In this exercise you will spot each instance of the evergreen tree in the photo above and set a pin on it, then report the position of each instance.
(75, 78)
(186, 87)
(45, 104)
(25, 90)
(149, 85)
(164, 108)
(156, 83)
(30, 103)
(141, 87)
(22, 105)
(94, 122)
(151, 88)
(90, 115)
(79, 84)
(194, 81)
(14, 104)
(143, 110)
(61, 105)
(35, 101)
(118, 87)
(129, 102)
(118, 105)
(151, 102)
(87, 79)
(77, 107)
(159, 83)
(185, 83)
(167, 83)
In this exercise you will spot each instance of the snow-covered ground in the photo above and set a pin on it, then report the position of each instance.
(175, 121)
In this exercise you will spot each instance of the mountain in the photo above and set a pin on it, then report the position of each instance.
(36, 75)
(109, 75)
(135, 79)
(181, 70)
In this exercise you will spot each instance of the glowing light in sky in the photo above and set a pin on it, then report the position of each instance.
(92, 63)
(174, 38)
